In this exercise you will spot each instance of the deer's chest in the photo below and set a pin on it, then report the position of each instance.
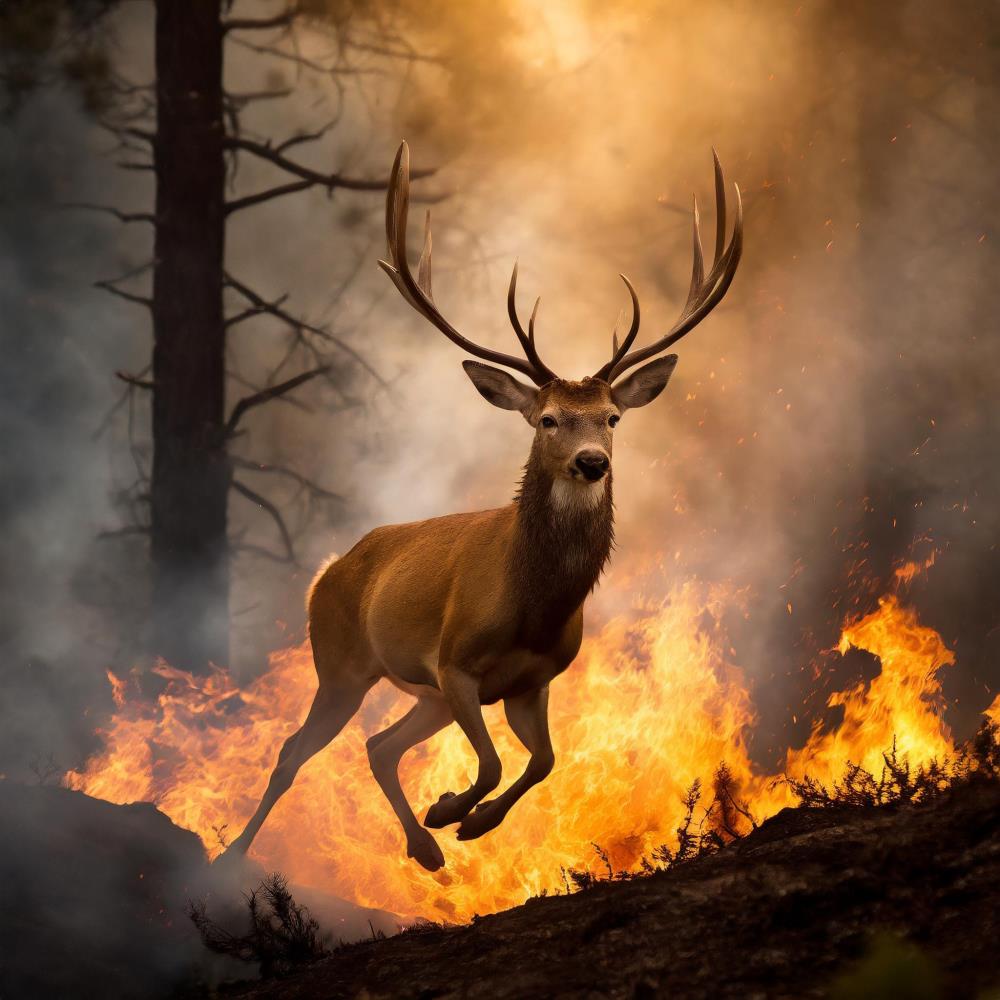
(520, 668)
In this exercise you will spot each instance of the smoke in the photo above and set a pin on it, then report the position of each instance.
(838, 407)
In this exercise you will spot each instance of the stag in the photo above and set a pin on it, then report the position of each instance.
(470, 609)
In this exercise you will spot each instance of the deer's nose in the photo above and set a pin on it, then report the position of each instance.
(592, 464)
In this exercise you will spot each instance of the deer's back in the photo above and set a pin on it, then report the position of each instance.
(386, 602)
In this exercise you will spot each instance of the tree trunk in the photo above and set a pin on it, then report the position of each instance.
(190, 481)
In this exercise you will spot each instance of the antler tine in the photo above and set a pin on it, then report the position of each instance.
(698, 265)
(526, 340)
(531, 321)
(417, 291)
(705, 292)
(614, 332)
(424, 266)
(720, 208)
(515, 322)
(620, 350)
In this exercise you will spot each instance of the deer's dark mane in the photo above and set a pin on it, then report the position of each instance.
(558, 553)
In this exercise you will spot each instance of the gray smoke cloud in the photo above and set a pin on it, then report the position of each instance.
(838, 407)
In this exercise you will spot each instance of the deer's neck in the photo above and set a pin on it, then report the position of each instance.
(563, 537)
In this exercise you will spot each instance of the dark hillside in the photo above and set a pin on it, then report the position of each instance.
(813, 896)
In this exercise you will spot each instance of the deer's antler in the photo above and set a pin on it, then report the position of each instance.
(418, 291)
(705, 292)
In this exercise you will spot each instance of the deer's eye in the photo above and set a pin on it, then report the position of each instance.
(613, 420)
(548, 421)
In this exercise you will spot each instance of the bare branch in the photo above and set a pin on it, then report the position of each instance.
(136, 133)
(268, 195)
(282, 20)
(314, 488)
(329, 181)
(130, 529)
(288, 400)
(266, 395)
(241, 100)
(139, 300)
(270, 508)
(301, 62)
(135, 380)
(301, 137)
(274, 309)
(408, 54)
(111, 210)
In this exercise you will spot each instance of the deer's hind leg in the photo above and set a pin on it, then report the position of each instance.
(333, 707)
(385, 750)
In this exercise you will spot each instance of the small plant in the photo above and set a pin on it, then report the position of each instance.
(899, 783)
(727, 818)
(730, 816)
(282, 934)
(984, 749)
(45, 769)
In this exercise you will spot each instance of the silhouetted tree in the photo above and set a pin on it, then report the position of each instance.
(185, 128)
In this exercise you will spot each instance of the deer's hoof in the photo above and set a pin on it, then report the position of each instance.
(442, 812)
(425, 851)
(481, 820)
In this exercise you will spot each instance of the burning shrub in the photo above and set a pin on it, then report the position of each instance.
(725, 819)
(282, 934)
(899, 783)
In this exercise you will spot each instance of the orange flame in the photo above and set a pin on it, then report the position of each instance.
(904, 702)
(993, 712)
(117, 689)
(652, 703)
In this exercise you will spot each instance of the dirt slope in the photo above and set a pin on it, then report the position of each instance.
(785, 913)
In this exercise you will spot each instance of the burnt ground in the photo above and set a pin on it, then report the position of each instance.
(843, 902)
(93, 900)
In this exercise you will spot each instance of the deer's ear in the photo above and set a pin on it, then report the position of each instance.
(645, 383)
(501, 389)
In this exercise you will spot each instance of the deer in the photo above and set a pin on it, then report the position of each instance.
(474, 608)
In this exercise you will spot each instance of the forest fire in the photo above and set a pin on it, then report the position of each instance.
(652, 703)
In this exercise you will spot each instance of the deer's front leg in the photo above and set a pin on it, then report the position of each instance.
(528, 715)
(461, 691)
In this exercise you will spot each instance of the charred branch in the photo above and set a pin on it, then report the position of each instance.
(407, 54)
(271, 510)
(112, 288)
(124, 532)
(135, 380)
(242, 100)
(302, 137)
(262, 306)
(301, 62)
(315, 177)
(266, 395)
(282, 20)
(313, 488)
(269, 195)
(111, 210)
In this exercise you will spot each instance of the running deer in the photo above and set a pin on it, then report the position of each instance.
(470, 609)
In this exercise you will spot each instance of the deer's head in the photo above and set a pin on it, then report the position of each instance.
(574, 421)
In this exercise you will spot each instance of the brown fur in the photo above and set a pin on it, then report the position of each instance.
(465, 610)
(469, 609)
